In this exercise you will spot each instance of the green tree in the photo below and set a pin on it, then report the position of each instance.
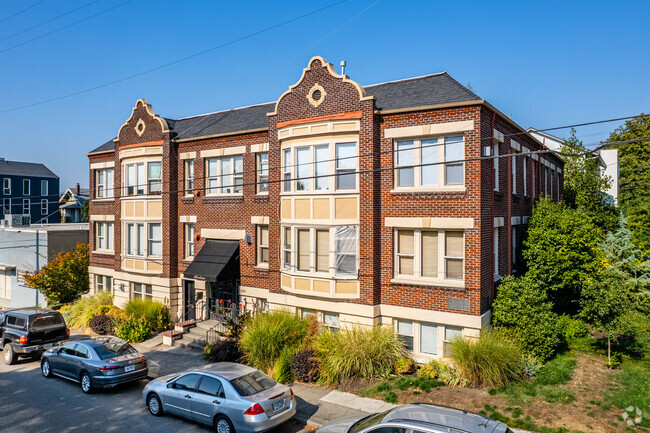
(637, 213)
(584, 183)
(633, 160)
(65, 278)
(562, 252)
(523, 312)
(85, 212)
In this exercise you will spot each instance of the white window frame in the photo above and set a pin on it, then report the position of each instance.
(260, 247)
(145, 292)
(403, 336)
(6, 186)
(27, 204)
(138, 244)
(103, 283)
(104, 183)
(44, 187)
(441, 165)
(136, 180)
(104, 233)
(417, 257)
(188, 249)
(332, 321)
(262, 165)
(495, 165)
(446, 342)
(287, 250)
(287, 162)
(421, 338)
(234, 176)
(188, 176)
(152, 242)
(27, 183)
(44, 207)
(513, 175)
(154, 184)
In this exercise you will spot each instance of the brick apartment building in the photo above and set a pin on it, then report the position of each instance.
(364, 205)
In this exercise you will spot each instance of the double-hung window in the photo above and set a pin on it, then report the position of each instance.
(432, 162)
(263, 245)
(304, 250)
(495, 165)
(104, 236)
(513, 175)
(331, 321)
(321, 169)
(189, 240)
(189, 177)
(286, 170)
(135, 239)
(155, 240)
(103, 283)
(26, 206)
(154, 177)
(26, 186)
(495, 243)
(322, 250)
(135, 179)
(429, 338)
(313, 251)
(262, 173)
(346, 247)
(346, 164)
(405, 333)
(44, 207)
(6, 186)
(104, 183)
(310, 168)
(286, 248)
(142, 291)
(429, 254)
(225, 175)
(44, 184)
(451, 333)
(303, 168)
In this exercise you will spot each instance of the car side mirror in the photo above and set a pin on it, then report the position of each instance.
(170, 385)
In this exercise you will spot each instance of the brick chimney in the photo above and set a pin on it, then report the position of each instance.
(77, 189)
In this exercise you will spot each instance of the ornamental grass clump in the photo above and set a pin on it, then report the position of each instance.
(490, 360)
(367, 353)
(79, 313)
(265, 336)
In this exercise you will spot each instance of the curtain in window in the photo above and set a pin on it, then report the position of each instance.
(429, 339)
(454, 254)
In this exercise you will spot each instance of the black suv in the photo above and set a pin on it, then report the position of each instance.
(30, 332)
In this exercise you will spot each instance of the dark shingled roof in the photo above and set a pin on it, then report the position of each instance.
(416, 92)
(27, 169)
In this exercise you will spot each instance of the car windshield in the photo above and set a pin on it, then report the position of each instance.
(47, 321)
(252, 383)
(368, 422)
(112, 349)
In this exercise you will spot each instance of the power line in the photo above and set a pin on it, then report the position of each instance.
(65, 27)
(48, 21)
(174, 62)
(21, 11)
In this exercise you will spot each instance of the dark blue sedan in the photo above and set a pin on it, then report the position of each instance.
(98, 362)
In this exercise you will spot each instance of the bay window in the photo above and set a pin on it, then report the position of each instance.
(429, 254)
(346, 165)
(225, 175)
(286, 170)
(155, 240)
(431, 162)
(135, 239)
(346, 240)
(313, 253)
(322, 251)
(154, 177)
(304, 250)
(286, 248)
(142, 291)
(321, 155)
(303, 168)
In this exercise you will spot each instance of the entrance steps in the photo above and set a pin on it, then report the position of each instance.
(189, 334)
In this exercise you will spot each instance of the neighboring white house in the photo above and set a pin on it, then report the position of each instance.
(28, 248)
(607, 159)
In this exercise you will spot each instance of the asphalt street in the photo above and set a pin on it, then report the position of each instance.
(31, 403)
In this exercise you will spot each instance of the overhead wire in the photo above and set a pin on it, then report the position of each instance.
(22, 11)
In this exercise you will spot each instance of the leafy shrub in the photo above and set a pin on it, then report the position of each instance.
(431, 369)
(134, 330)
(101, 324)
(282, 369)
(522, 311)
(489, 360)
(155, 313)
(364, 352)
(117, 316)
(452, 376)
(79, 313)
(103, 309)
(532, 366)
(405, 365)
(223, 350)
(266, 335)
(571, 328)
(304, 364)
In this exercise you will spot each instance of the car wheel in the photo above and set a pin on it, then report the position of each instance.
(154, 405)
(46, 368)
(223, 425)
(86, 383)
(10, 356)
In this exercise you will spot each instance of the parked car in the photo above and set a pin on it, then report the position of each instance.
(30, 331)
(98, 362)
(416, 418)
(229, 396)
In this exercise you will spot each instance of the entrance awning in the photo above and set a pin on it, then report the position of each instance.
(211, 260)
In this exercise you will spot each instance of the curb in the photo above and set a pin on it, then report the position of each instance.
(306, 421)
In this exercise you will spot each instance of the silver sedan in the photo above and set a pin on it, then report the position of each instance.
(229, 396)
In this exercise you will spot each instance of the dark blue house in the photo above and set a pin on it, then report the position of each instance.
(30, 189)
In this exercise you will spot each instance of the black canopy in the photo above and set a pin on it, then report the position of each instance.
(211, 260)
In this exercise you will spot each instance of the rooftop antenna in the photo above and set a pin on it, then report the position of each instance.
(343, 67)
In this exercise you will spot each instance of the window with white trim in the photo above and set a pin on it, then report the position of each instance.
(430, 162)
(263, 245)
(104, 183)
(286, 248)
(404, 330)
(104, 236)
(26, 186)
(6, 205)
(142, 291)
(44, 187)
(313, 251)
(225, 176)
(496, 252)
(429, 254)
(6, 186)
(262, 173)
(44, 207)
(429, 338)
(189, 240)
(103, 283)
(134, 179)
(322, 250)
(189, 176)
(525, 175)
(286, 170)
(451, 334)
(26, 206)
(331, 321)
(513, 163)
(495, 165)
(306, 312)
(346, 241)
(321, 168)
(346, 165)
(545, 181)
(154, 177)
(135, 240)
(155, 240)
(313, 166)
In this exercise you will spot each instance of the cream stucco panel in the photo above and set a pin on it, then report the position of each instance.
(235, 235)
(432, 129)
(433, 223)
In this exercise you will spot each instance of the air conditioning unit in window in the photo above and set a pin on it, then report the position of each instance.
(12, 220)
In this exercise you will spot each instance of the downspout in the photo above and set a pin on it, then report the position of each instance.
(493, 184)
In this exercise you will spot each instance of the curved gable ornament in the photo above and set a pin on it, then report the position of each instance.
(140, 128)
(330, 69)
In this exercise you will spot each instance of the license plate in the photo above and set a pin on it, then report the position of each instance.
(279, 404)
(129, 368)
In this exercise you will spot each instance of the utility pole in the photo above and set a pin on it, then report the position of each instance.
(38, 268)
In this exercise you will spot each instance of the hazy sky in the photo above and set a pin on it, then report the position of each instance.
(546, 63)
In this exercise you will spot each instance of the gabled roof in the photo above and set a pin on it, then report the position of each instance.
(425, 91)
(25, 169)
